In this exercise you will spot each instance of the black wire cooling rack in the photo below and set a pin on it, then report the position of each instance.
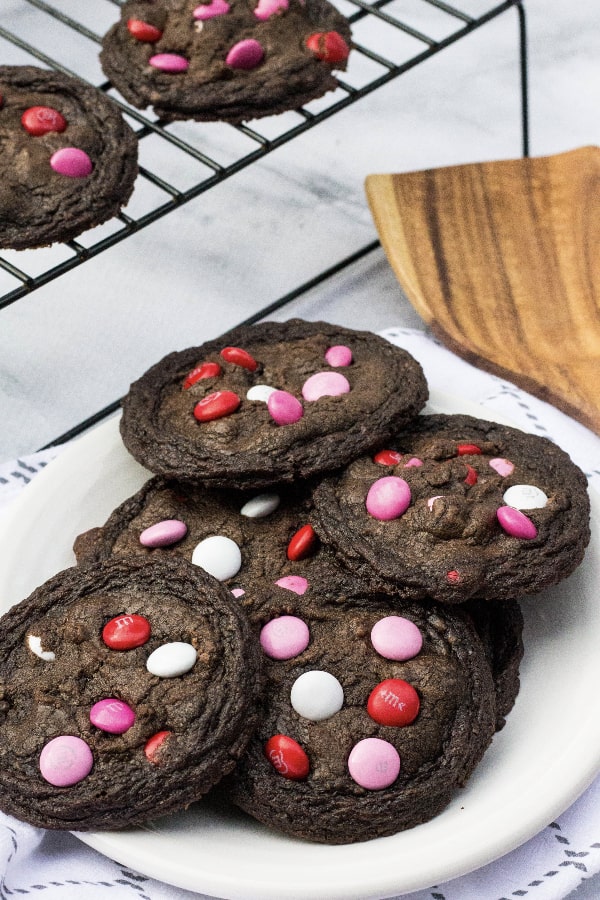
(25, 271)
(240, 145)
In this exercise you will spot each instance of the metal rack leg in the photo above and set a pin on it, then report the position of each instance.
(524, 66)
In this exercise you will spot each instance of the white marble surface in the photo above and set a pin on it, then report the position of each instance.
(73, 346)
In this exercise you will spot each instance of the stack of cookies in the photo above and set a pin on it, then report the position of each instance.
(313, 602)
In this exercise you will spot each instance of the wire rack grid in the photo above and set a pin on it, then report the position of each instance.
(209, 156)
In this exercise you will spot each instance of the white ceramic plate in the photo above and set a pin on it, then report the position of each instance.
(546, 755)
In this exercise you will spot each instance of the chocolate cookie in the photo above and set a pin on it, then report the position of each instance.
(127, 690)
(371, 719)
(239, 537)
(456, 508)
(225, 59)
(500, 627)
(270, 403)
(68, 159)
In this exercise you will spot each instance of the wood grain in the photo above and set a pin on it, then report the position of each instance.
(502, 261)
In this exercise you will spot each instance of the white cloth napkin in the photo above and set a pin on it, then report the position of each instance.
(548, 867)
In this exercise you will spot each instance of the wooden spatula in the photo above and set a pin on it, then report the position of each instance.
(502, 261)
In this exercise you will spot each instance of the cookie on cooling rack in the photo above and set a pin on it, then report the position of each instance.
(457, 507)
(68, 162)
(229, 60)
(270, 403)
(127, 691)
(371, 719)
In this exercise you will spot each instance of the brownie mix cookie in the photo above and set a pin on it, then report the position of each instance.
(68, 160)
(371, 719)
(457, 507)
(500, 627)
(225, 59)
(270, 403)
(127, 691)
(237, 536)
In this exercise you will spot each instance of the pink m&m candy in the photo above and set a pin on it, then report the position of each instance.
(395, 637)
(126, 632)
(210, 10)
(503, 467)
(65, 760)
(112, 715)
(284, 637)
(169, 62)
(247, 54)
(388, 498)
(325, 384)
(163, 534)
(267, 8)
(284, 408)
(295, 583)
(516, 523)
(374, 764)
(72, 162)
(339, 355)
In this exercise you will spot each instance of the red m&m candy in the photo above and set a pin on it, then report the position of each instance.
(239, 357)
(154, 743)
(126, 632)
(328, 46)
(387, 457)
(287, 757)
(143, 31)
(302, 544)
(471, 478)
(468, 450)
(206, 370)
(216, 406)
(38, 120)
(393, 702)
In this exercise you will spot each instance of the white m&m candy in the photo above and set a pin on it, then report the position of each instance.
(171, 660)
(219, 556)
(317, 695)
(525, 496)
(260, 506)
